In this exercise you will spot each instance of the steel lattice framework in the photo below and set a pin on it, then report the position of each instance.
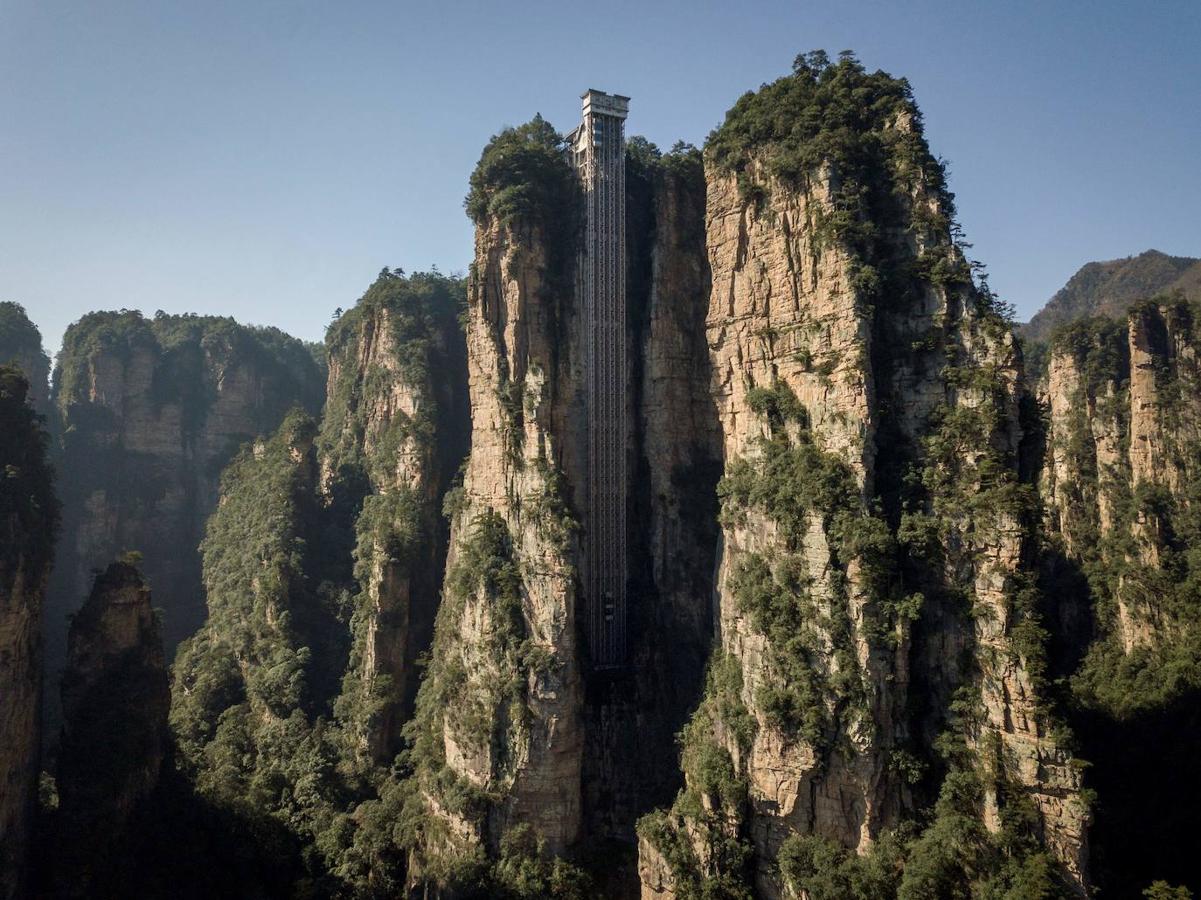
(598, 152)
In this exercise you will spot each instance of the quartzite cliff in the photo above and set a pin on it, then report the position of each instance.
(886, 590)
(151, 411)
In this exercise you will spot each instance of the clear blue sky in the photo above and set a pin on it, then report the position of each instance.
(266, 159)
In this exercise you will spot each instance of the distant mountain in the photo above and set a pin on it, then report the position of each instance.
(1109, 288)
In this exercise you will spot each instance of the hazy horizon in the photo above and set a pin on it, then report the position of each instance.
(265, 162)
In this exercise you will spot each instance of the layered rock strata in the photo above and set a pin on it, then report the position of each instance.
(868, 396)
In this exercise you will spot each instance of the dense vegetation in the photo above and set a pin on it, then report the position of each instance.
(477, 698)
(306, 763)
(1110, 288)
(279, 719)
(945, 851)
(524, 174)
(1144, 557)
(29, 508)
(386, 465)
(21, 345)
(1124, 552)
(187, 350)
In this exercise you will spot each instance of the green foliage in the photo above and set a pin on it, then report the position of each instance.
(524, 175)
(956, 857)
(187, 352)
(711, 806)
(253, 689)
(417, 314)
(20, 341)
(671, 833)
(825, 870)
(835, 115)
(645, 160)
(29, 509)
(1113, 678)
(480, 698)
(523, 871)
(1161, 890)
(405, 328)
(799, 486)
(1099, 349)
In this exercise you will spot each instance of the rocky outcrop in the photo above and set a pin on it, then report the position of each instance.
(115, 696)
(1123, 430)
(28, 523)
(1164, 375)
(392, 439)
(21, 347)
(152, 410)
(499, 715)
(868, 397)
(1119, 487)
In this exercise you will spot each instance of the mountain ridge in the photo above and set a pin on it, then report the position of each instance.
(1110, 287)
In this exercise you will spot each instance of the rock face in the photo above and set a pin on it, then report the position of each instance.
(116, 696)
(1124, 424)
(632, 717)
(151, 412)
(323, 562)
(28, 523)
(1120, 491)
(546, 743)
(499, 715)
(21, 347)
(868, 399)
(1110, 288)
(396, 426)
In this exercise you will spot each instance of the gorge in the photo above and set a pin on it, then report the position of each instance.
(900, 615)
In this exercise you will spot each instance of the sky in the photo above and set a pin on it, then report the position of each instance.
(265, 159)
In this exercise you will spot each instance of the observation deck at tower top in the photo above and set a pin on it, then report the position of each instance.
(601, 104)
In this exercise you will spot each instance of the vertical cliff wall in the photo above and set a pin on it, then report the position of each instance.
(498, 736)
(633, 715)
(1119, 480)
(1120, 483)
(323, 564)
(21, 347)
(394, 432)
(874, 574)
(115, 696)
(151, 412)
(28, 525)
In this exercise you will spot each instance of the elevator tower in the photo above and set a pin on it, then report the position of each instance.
(597, 149)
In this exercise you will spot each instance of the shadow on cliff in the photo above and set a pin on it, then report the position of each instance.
(1147, 775)
(180, 846)
(632, 715)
